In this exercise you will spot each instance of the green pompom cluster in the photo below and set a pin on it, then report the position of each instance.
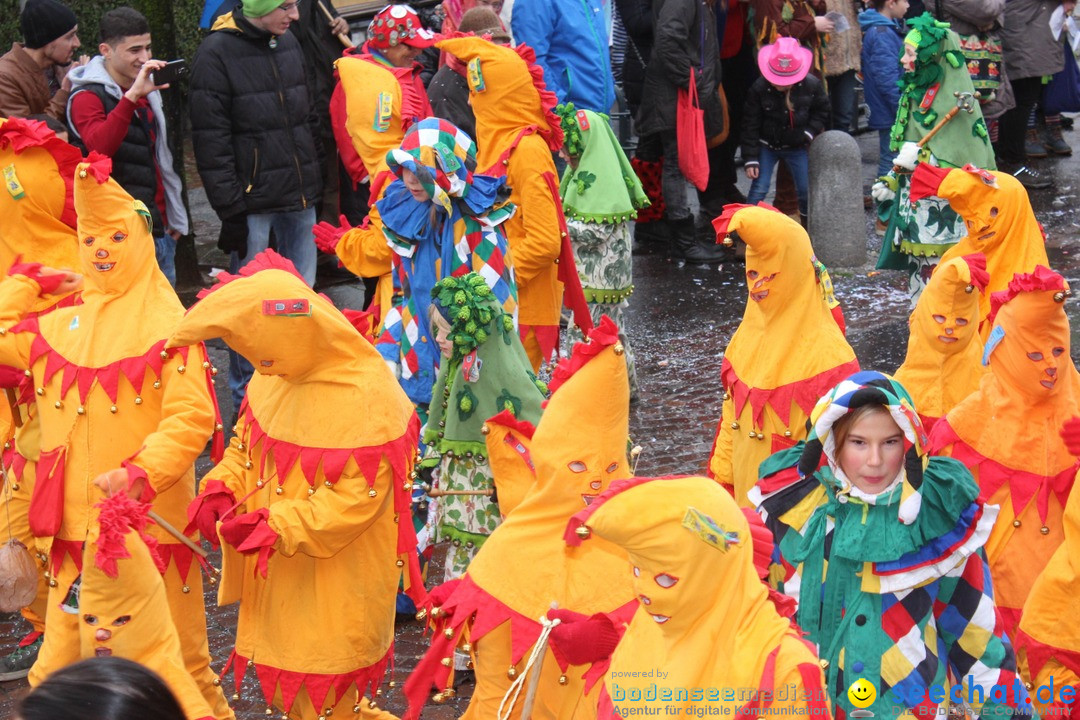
(573, 141)
(466, 302)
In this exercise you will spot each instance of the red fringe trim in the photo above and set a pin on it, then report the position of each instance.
(547, 336)
(1041, 278)
(21, 134)
(600, 337)
(1023, 485)
(548, 100)
(507, 419)
(926, 181)
(720, 224)
(65, 548)
(804, 393)
(1039, 653)
(318, 686)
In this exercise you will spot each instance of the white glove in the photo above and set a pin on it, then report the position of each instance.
(908, 157)
(881, 192)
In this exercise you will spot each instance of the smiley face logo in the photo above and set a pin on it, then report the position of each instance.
(862, 693)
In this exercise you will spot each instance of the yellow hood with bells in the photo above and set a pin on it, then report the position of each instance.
(372, 99)
(507, 94)
(123, 609)
(705, 616)
(579, 448)
(788, 332)
(128, 305)
(307, 357)
(944, 354)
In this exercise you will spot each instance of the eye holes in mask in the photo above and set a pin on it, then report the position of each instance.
(577, 466)
(119, 237)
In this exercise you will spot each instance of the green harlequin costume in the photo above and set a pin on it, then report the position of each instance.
(601, 196)
(919, 233)
(487, 373)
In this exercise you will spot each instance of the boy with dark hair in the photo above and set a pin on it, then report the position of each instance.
(115, 108)
(883, 44)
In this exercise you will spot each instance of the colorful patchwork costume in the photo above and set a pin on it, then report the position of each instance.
(1006, 432)
(943, 364)
(310, 494)
(578, 448)
(786, 353)
(116, 405)
(601, 195)
(486, 374)
(704, 618)
(893, 587)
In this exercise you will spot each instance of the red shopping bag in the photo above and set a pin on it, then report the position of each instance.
(690, 133)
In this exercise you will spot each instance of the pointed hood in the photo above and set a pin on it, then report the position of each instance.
(123, 609)
(509, 453)
(705, 615)
(579, 448)
(944, 354)
(788, 332)
(507, 93)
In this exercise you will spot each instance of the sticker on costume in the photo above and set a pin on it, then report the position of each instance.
(470, 367)
(287, 308)
(74, 324)
(520, 449)
(384, 110)
(928, 98)
(476, 76)
(70, 603)
(447, 159)
(11, 182)
(996, 336)
(708, 530)
(582, 120)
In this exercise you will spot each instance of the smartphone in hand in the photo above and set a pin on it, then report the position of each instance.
(173, 71)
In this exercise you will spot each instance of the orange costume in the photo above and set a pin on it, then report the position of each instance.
(123, 608)
(372, 106)
(115, 404)
(37, 222)
(524, 568)
(310, 493)
(787, 352)
(516, 132)
(705, 618)
(1006, 433)
(1000, 223)
(944, 354)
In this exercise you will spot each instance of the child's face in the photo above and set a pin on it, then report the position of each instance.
(571, 160)
(907, 60)
(873, 452)
(442, 334)
(895, 9)
(415, 186)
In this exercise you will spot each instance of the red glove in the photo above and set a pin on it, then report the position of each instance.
(249, 532)
(442, 593)
(328, 236)
(49, 282)
(214, 503)
(583, 640)
(1070, 433)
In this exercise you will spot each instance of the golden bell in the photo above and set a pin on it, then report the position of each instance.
(969, 289)
(563, 679)
(1044, 530)
(372, 492)
(582, 532)
(824, 664)
(400, 563)
(445, 662)
(618, 348)
(1016, 523)
(727, 241)
(512, 672)
(449, 633)
(449, 693)
(1059, 296)
(181, 369)
(138, 400)
(438, 698)
(186, 589)
(112, 409)
(421, 614)
(217, 682)
(484, 429)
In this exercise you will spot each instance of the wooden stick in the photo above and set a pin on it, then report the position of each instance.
(13, 403)
(345, 39)
(442, 493)
(168, 527)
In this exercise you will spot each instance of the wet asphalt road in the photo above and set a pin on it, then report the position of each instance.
(680, 321)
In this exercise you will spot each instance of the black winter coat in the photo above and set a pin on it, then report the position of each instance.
(684, 37)
(637, 20)
(767, 120)
(253, 124)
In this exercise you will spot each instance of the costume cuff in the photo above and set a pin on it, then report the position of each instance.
(925, 181)
(134, 475)
(47, 283)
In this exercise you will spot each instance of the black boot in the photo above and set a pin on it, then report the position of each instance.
(686, 247)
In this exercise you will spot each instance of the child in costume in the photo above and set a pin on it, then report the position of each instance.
(704, 616)
(37, 222)
(785, 109)
(787, 351)
(601, 195)
(1001, 224)
(516, 131)
(918, 232)
(484, 372)
(943, 364)
(116, 406)
(907, 600)
(1006, 432)
(580, 446)
(309, 494)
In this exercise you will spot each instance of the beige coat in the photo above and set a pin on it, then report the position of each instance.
(842, 49)
(24, 91)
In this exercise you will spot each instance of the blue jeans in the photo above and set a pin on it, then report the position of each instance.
(798, 162)
(165, 251)
(292, 233)
(885, 155)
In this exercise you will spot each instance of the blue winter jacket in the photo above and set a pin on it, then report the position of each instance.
(571, 43)
(883, 45)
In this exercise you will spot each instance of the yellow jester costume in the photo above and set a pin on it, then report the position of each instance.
(310, 493)
(787, 352)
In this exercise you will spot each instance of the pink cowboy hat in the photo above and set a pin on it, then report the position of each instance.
(785, 62)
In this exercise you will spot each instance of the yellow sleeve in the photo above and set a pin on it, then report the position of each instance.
(18, 294)
(720, 462)
(539, 210)
(363, 250)
(322, 524)
(232, 468)
(187, 421)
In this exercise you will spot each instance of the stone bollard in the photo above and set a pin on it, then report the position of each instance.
(837, 224)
